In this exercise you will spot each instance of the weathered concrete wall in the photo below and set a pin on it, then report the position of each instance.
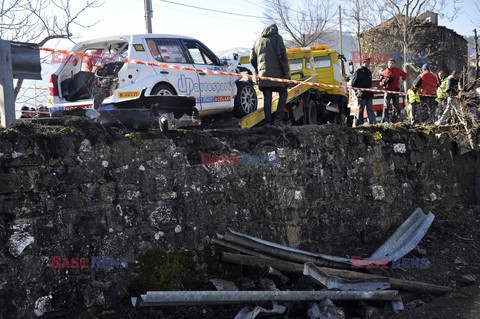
(82, 191)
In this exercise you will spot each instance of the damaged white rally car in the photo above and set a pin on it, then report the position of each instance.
(94, 81)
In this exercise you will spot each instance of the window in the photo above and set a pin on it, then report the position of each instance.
(320, 62)
(296, 64)
(166, 50)
(199, 54)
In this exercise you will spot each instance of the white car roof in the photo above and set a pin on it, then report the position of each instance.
(128, 38)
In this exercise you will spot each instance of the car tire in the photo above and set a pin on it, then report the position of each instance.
(162, 89)
(246, 99)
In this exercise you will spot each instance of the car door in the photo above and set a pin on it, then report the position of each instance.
(171, 51)
(216, 91)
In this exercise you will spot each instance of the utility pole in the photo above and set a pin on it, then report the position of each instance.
(477, 56)
(148, 15)
(341, 34)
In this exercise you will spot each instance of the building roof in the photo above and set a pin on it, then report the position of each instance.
(391, 20)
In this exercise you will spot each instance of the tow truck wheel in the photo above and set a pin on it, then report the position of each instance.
(311, 116)
(245, 100)
(162, 89)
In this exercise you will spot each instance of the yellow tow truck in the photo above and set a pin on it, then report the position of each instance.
(308, 104)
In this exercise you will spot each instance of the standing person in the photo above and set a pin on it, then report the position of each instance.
(25, 113)
(452, 102)
(269, 58)
(441, 93)
(390, 80)
(426, 84)
(414, 101)
(363, 79)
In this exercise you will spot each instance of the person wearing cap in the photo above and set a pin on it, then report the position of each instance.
(362, 78)
(25, 112)
(426, 86)
(390, 80)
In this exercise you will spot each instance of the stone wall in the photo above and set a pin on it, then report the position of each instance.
(81, 190)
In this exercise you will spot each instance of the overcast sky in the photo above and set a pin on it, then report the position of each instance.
(217, 30)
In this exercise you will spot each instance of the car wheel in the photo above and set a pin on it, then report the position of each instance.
(245, 100)
(162, 89)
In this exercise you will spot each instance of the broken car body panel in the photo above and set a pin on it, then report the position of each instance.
(403, 240)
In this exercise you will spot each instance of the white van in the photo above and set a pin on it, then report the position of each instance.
(92, 81)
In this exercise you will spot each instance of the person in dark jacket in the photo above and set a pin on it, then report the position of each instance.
(25, 113)
(452, 99)
(269, 59)
(362, 78)
(390, 81)
(426, 84)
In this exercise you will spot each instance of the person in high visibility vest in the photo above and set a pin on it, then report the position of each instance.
(452, 92)
(414, 101)
(441, 92)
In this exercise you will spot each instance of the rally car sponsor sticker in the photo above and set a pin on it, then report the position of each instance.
(222, 98)
(139, 47)
(126, 95)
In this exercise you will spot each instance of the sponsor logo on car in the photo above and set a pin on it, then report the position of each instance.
(186, 86)
(126, 95)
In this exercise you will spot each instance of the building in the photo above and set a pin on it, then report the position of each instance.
(429, 43)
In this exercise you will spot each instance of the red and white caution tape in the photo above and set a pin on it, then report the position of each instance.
(251, 77)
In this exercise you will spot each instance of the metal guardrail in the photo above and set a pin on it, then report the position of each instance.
(178, 298)
(18, 60)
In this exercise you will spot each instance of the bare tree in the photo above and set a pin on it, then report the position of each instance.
(359, 18)
(407, 22)
(40, 21)
(306, 23)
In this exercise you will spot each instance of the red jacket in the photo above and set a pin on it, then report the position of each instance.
(426, 83)
(396, 73)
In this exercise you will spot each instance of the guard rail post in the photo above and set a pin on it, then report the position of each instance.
(7, 100)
